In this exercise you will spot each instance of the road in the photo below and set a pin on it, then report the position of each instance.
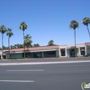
(44, 77)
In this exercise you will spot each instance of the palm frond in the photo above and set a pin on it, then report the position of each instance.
(74, 24)
(86, 21)
(9, 32)
(3, 29)
(23, 26)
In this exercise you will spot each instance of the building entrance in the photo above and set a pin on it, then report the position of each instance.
(72, 52)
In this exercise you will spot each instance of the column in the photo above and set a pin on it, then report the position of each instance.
(6, 55)
(59, 52)
(85, 50)
(1, 56)
(42, 55)
(66, 52)
(79, 53)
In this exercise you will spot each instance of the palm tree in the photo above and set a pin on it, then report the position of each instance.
(23, 27)
(51, 43)
(73, 25)
(9, 34)
(2, 30)
(27, 37)
(86, 22)
(27, 41)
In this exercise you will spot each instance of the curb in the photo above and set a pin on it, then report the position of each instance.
(64, 58)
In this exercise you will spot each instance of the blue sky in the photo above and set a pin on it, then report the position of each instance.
(46, 20)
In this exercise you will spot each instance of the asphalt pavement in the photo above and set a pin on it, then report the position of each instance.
(44, 77)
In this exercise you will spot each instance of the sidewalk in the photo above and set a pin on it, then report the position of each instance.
(44, 63)
(62, 58)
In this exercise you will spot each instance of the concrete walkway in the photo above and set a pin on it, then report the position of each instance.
(62, 58)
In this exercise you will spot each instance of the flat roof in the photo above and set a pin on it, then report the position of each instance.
(35, 48)
(44, 47)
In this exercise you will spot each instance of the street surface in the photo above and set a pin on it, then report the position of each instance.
(66, 76)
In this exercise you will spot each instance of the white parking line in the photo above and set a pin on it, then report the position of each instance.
(25, 70)
(28, 81)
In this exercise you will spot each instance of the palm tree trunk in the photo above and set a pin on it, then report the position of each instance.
(23, 43)
(9, 46)
(75, 42)
(88, 30)
(28, 51)
(2, 47)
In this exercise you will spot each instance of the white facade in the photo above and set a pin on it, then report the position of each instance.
(69, 47)
(4, 52)
(61, 51)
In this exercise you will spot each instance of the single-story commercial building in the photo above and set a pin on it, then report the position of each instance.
(49, 51)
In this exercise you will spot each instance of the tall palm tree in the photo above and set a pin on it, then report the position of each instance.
(23, 27)
(9, 34)
(2, 31)
(74, 24)
(86, 22)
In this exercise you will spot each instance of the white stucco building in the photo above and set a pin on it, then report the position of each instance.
(50, 51)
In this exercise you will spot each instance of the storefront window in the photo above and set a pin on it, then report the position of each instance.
(50, 54)
(82, 51)
(62, 52)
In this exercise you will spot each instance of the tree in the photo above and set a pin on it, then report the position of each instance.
(2, 31)
(36, 45)
(21, 45)
(17, 46)
(12, 46)
(73, 25)
(9, 34)
(4, 47)
(86, 22)
(27, 41)
(23, 27)
(51, 43)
